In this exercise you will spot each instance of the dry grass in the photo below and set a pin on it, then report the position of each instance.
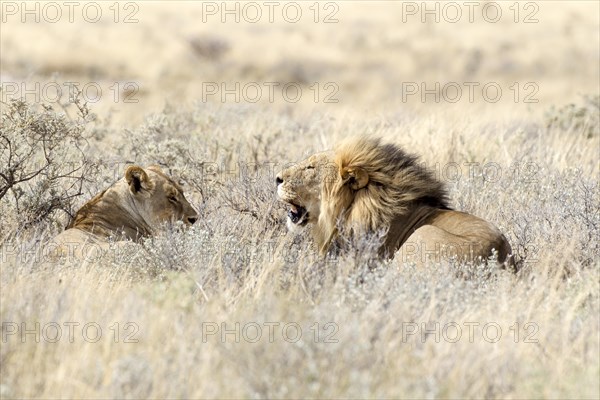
(532, 169)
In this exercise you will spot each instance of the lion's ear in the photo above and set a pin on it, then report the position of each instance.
(356, 177)
(137, 179)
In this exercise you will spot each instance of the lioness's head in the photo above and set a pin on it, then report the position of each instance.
(135, 206)
(157, 198)
(299, 186)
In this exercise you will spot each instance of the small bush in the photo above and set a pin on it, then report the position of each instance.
(584, 118)
(43, 163)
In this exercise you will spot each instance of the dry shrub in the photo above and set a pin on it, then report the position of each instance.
(44, 164)
(583, 119)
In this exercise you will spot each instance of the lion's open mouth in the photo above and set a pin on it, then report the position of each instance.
(297, 214)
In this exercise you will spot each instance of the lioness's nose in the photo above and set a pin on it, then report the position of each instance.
(192, 220)
(278, 180)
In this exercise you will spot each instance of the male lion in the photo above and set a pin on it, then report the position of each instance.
(366, 188)
(132, 208)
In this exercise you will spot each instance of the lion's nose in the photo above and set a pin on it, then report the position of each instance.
(192, 220)
(278, 180)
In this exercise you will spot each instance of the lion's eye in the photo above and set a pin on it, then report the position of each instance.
(173, 199)
(310, 167)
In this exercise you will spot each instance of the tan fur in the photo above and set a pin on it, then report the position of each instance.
(134, 207)
(367, 186)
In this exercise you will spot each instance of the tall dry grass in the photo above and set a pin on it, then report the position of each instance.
(384, 330)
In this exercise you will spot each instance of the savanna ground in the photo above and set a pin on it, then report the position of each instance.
(236, 307)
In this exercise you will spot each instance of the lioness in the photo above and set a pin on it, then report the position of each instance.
(132, 208)
(367, 187)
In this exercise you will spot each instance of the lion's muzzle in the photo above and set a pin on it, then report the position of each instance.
(297, 215)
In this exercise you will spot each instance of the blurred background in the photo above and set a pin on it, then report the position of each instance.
(130, 59)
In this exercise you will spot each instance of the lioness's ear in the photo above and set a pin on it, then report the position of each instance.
(356, 177)
(137, 179)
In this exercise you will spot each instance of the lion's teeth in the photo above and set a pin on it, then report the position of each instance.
(293, 209)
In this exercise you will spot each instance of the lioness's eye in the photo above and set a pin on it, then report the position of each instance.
(173, 198)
